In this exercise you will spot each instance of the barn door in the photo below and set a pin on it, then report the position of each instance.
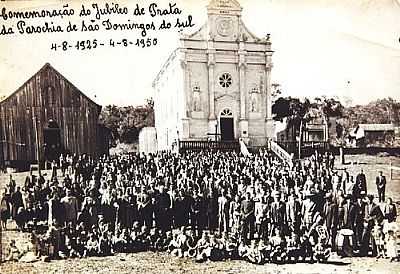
(52, 141)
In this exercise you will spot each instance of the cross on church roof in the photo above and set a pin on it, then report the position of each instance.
(224, 5)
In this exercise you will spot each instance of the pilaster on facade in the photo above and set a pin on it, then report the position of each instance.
(242, 84)
(186, 86)
(242, 91)
(268, 69)
(211, 83)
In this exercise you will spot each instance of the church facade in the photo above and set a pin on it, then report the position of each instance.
(216, 84)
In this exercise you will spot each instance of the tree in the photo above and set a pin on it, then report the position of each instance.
(110, 117)
(298, 113)
(294, 111)
(125, 123)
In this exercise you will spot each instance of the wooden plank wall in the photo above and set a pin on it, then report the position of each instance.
(47, 95)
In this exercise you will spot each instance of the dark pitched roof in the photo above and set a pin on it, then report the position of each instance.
(47, 65)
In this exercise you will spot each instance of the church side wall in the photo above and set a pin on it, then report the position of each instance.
(168, 98)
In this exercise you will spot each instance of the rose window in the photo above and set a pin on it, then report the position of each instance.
(225, 80)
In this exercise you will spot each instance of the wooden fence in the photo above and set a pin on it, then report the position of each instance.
(209, 145)
(307, 148)
(392, 169)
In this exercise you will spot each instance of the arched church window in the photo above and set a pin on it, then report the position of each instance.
(225, 80)
(226, 113)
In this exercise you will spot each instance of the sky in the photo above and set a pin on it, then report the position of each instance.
(349, 49)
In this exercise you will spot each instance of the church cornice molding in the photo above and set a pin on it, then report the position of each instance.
(231, 7)
(183, 63)
(164, 68)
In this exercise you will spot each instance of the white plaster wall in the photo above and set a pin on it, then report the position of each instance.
(148, 140)
(169, 105)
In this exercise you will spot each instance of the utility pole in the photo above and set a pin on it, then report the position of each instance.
(35, 123)
(300, 137)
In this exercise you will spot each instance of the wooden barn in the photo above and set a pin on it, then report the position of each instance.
(50, 109)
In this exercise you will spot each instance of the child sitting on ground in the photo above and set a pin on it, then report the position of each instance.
(190, 243)
(164, 241)
(254, 254)
(321, 252)
(230, 247)
(203, 248)
(142, 239)
(181, 245)
(13, 252)
(91, 246)
(104, 245)
(293, 248)
(153, 237)
(305, 250)
(277, 243)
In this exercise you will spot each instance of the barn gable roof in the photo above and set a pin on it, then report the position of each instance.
(48, 66)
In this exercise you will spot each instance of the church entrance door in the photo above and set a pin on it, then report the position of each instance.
(226, 125)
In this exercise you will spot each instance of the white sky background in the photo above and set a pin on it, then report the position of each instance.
(320, 46)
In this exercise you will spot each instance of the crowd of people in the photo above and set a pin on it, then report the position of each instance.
(203, 205)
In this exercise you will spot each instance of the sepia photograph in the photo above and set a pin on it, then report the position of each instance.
(200, 136)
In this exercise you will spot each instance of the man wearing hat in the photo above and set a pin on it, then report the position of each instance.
(248, 219)
(372, 213)
(361, 184)
(162, 206)
(308, 210)
(381, 185)
(350, 213)
(293, 213)
(278, 214)
(330, 215)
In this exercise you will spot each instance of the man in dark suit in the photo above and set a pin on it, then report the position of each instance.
(278, 214)
(361, 184)
(197, 214)
(16, 202)
(381, 185)
(293, 214)
(248, 219)
(163, 204)
(350, 213)
(373, 214)
(330, 215)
